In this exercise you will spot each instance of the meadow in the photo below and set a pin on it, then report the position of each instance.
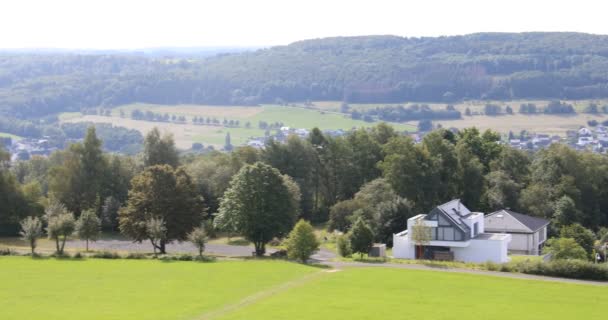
(186, 134)
(538, 123)
(150, 289)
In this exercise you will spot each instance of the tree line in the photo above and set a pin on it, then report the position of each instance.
(376, 69)
(376, 175)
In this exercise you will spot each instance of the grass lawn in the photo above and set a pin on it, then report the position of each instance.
(131, 289)
(150, 289)
(381, 293)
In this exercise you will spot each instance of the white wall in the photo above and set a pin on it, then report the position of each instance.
(483, 250)
(402, 248)
(480, 224)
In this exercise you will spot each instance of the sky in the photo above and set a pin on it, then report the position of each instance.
(133, 24)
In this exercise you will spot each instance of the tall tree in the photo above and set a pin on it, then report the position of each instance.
(295, 158)
(78, 182)
(88, 227)
(258, 205)
(361, 237)
(160, 150)
(31, 230)
(162, 192)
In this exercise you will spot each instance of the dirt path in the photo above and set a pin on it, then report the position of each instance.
(513, 275)
(249, 300)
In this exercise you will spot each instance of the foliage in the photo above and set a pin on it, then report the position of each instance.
(343, 245)
(302, 242)
(88, 227)
(361, 237)
(564, 248)
(353, 69)
(340, 213)
(31, 230)
(421, 233)
(161, 192)
(259, 205)
(566, 268)
(198, 237)
(584, 237)
(60, 225)
(159, 150)
(156, 231)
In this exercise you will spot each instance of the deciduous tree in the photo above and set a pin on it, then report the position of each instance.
(258, 205)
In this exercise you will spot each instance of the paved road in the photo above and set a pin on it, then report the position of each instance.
(175, 247)
(184, 247)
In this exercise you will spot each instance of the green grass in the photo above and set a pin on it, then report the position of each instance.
(374, 293)
(127, 289)
(150, 289)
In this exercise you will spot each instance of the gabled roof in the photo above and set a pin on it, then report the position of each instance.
(455, 209)
(532, 223)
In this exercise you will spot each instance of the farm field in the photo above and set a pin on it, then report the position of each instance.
(540, 123)
(186, 134)
(150, 289)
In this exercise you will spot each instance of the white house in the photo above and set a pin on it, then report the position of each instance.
(528, 233)
(456, 234)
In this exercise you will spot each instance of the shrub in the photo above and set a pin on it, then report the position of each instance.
(136, 256)
(198, 237)
(564, 248)
(106, 255)
(302, 242)
(492, 266)
(575, 269)
(185, 257)
(78, 255)
(343, 244)
(7, 252)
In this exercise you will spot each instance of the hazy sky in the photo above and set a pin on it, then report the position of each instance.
(135, 24)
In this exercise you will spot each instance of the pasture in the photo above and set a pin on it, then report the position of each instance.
(538, 123)
(186, 134)
(151, 289)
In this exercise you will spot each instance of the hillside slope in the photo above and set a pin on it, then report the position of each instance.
(355, 69)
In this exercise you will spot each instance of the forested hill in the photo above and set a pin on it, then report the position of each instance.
(356, 69)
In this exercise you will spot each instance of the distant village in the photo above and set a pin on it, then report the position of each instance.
(594, 139)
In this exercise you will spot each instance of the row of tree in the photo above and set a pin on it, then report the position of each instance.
(375, 175)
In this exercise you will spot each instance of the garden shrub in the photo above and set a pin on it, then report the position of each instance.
(106, 255)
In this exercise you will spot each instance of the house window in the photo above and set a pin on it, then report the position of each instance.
(475, 228)
(446, 234)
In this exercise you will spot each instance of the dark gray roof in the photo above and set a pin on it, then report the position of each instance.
(533, 223)
(455, 209)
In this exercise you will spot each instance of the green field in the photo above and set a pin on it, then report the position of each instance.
(186, 134)
(148, 289)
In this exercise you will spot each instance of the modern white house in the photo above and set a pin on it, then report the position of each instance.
(528, 234)
(456, 234)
